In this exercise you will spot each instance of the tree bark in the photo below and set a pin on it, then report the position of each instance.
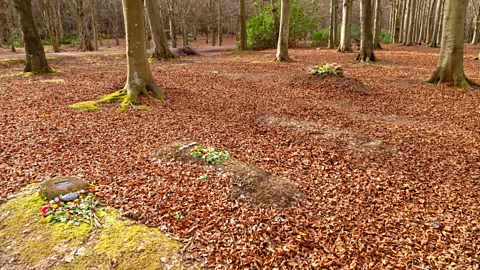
(243, 25)
(450, 64)
(11, 30)
(94, 24)
(84, 43)
(161, 51)
(366, 44)
(377, 25)
(58, 21)
(219, 23)
(36, 62)
(139, 76)
(333, 20)
(345, 35)
(436, 25)
(476, 30)
(430, 26)
(213, 23)
(282, 47)
(46, 8)
(171, 17)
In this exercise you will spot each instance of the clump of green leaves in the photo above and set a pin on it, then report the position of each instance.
(75, 212)
(326, 69)
(209, 154)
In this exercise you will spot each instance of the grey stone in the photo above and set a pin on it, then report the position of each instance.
(60, 185)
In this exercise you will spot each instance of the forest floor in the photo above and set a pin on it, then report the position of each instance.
(411, 202)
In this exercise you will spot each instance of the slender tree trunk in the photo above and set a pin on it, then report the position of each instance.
(161, 50)
(184, 32)
(345, 34)
(11, 30)
(171, 17)
(395, 23)
(378, 25)
(46, 8)
(440, 28)
(219, 23)
(436, 25)
(84, 41)
(112, 10)
(450, 64)
(94, 24)
(476, 30)
(282, 47)
(243, 25)
(36, 62)
(404, 22)
(139, 77)
(430, 26)
(366, 44)
(275, 30)
(213, 23)
(333, 19)
(58, 20)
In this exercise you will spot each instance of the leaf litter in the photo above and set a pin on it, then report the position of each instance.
(416, 207)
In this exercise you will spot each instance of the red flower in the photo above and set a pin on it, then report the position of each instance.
(45, 209)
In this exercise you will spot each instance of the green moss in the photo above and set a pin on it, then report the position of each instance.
(131, 246)
(35, 241)
(13, 60)
(86, 105)
(53, 81)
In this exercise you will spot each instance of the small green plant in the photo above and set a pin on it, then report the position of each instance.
(178, 217)
(202, 177)
(81, 209)
(209, 154)
(326, 69)
(386, 37)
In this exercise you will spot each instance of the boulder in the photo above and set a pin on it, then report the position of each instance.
(61, 185)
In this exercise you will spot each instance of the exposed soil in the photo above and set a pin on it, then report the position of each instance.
(414, 205)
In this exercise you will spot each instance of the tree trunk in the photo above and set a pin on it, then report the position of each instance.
(476, 30)
(84, 43)
(94, 24)
(333, 19)
(46, 8)
(377, 25)
(450, 64)
(430, 26)
(366, 44)
(161, 50)
(345, 35)
(282, 47)
(212, 22)
(11, 30)
(139, 76)
(113, 20)
(36, 62)
(58, 21)
(404, 16)
(219, 23)
(243, 25)
(171, 17)
(436, 25)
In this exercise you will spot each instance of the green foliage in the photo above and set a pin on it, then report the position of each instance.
(320, 36)
(75, 212)
(104, 36)
(210, 155)
(67, 40)
(386, 37)
(326, 69)
(46, 42)
(262, 28)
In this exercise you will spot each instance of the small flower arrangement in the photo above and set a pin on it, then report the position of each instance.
(73, 208)
(326, 69)
(209, 154)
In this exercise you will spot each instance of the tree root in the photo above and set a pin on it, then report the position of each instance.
(127, 101)
(365, 58)
(459, 81)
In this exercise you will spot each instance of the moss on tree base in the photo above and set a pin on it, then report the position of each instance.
(127, 101)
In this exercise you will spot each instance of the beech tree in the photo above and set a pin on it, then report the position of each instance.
(140, 80)
(282, 47)
(36, 62)
(450, 63)
(243, 25)
(366, 42)
(161, 51)
(345, 33)
(436, 26)
(377, 25)
(333, 24)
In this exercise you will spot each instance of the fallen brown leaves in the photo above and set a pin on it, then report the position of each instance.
(414, 206)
